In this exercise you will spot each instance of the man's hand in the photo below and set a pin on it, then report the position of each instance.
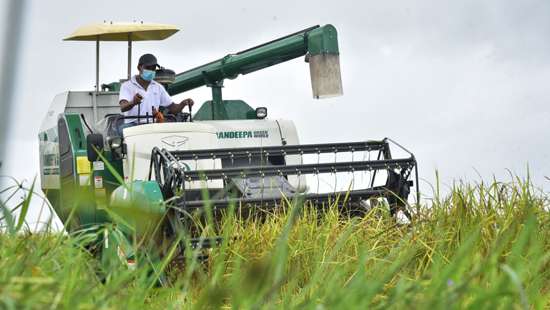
(176, 108)
(187, 102)
(137, 99)
(159, 118)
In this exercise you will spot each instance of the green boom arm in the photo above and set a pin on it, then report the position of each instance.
(319, 43)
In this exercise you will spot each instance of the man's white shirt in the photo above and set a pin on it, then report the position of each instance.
(154, 96)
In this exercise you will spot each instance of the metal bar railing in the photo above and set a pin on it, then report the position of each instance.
(172, 176)
(279, 150)
(281, 170)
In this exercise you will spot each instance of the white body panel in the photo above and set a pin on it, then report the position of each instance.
(79, 102)
(140, 140)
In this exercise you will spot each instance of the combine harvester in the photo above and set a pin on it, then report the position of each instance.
(154, 174)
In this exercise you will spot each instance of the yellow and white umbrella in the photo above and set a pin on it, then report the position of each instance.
(122, 32)
(129, 32)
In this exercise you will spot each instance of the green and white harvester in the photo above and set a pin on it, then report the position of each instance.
(149, 179)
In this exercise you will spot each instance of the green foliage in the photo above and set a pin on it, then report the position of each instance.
(481, 246)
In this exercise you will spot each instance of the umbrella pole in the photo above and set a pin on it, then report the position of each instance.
(129, 55)
(94, 99)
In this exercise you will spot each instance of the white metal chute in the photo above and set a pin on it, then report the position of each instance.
(326, 80)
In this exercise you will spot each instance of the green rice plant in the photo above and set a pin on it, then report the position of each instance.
(484, 245)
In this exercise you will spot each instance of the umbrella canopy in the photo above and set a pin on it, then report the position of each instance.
(127, 32)
(122, 32)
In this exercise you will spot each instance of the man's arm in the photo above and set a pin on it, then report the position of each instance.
(174, 108)
(127, 98)
(177, 108)
(126, 105)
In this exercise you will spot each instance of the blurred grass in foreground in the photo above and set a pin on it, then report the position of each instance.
(482, 246)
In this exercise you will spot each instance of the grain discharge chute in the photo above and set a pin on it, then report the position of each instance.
(226, 154)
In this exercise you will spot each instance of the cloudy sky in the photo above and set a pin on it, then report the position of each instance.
(463, 84)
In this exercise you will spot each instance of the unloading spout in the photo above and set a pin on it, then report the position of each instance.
(326, 80)
(324, 62)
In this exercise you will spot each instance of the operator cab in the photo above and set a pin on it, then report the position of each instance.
(112, 124)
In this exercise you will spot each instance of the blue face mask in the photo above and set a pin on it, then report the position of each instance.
(148, 75)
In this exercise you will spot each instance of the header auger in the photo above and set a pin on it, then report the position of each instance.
(226, 154)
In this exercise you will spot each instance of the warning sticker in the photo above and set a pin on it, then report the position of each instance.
(98, 181)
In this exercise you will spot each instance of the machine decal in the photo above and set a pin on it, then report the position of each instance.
(242, 134)
(83, 165)
(174, 141)
(51, 171)
(98, 165)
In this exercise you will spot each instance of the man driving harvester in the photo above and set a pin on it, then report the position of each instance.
(142, 96)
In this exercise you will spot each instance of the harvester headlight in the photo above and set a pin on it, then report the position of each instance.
(115, 142)
(261, 113)
(118, 148)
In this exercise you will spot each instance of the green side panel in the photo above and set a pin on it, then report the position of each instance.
(235, 109)
(53, 196)
(323, 40)
(110, 181)
(78, 199)
(84, 200)
(75, 197)
(76, 131)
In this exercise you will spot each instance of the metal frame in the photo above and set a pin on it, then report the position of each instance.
(171, 176)
(97, 89)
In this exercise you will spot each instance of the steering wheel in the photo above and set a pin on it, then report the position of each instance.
(180, 117)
